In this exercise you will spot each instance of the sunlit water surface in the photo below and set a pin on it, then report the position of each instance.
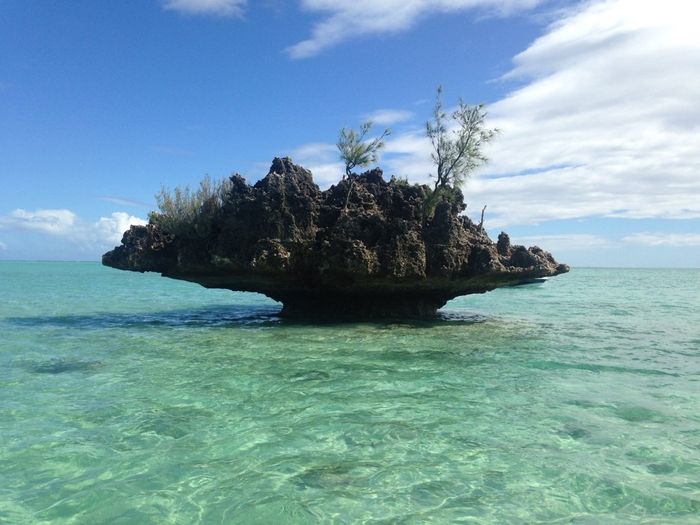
(129, 398)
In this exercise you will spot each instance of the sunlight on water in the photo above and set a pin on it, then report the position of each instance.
(129, 398)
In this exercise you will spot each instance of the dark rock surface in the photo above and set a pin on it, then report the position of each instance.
(361, 248)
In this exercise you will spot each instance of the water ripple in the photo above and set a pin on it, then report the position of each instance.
(134, 399)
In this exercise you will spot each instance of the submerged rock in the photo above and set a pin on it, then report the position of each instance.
(365, 246)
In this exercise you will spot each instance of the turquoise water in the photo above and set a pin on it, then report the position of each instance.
(129, 398)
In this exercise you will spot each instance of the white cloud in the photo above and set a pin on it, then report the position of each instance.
(563, 242)
(409, 155)
(664, 239)
(327, 174)
(104, 233)
(54, 222)
(109, 230)
(322, 160)
(607, 123)
(388, 117)
(3, 246)
(344, 19)
(314, 152)
(207, 7)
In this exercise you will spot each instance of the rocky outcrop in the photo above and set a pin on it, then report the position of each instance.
(364, 247)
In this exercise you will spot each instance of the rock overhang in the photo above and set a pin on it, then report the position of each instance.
(365, 246)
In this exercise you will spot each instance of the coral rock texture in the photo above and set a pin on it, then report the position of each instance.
(364, 247)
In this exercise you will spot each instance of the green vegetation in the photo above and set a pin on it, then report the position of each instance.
(189, 213)
(402, 182)
(457, 141)
(435, 196)
(355, 150)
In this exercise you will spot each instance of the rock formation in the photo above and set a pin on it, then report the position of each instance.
(364, 247)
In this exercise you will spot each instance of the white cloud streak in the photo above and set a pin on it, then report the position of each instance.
(664, 239)
(3, 246)
(389, 117)
(124, 201)
(226, 8)
(564, 242)
(104, 233)
(344, 19)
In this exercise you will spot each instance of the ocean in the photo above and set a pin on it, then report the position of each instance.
(130, 398)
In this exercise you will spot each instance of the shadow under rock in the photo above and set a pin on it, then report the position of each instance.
(229, 316)
(208, 316)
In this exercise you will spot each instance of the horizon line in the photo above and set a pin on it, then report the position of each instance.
(584, 267)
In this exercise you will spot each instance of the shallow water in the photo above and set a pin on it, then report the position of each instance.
(129, 398)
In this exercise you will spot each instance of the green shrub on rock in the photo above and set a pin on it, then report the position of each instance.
(189, 213)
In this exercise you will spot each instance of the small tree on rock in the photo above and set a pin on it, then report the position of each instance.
(355, 150)
(457, 141)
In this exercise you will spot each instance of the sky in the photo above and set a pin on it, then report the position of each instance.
(597, 103)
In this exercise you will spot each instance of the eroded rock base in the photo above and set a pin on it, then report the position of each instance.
(361, 307)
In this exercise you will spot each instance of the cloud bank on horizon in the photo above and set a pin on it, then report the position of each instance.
(88, 236)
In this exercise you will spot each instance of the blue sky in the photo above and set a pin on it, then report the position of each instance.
(598, 160)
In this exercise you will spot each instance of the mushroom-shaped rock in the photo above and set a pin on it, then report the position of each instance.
(363, 247)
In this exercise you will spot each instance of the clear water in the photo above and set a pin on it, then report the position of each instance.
(129, 398)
